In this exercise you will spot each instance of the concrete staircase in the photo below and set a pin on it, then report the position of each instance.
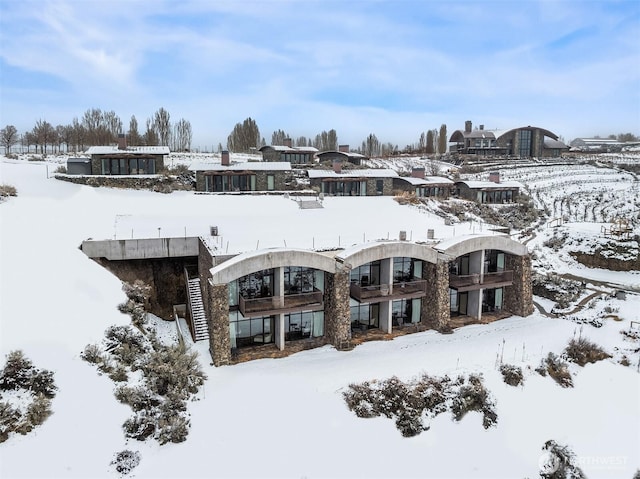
(198, 317)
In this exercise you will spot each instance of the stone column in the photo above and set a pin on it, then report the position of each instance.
(435, 305)
(518, 298)
(279, 331)
(218, 320)
(337, 314)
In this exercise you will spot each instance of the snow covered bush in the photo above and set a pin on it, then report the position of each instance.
(511, 374)
(423, 398)
(559, 462)
(557, 369)
(7, 190)
(582, 351)
(26, 385)
(138, 294)
(125, 461)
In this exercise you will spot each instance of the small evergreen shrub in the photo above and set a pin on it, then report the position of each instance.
(582, 351)
(125, 461)
(511, 374)
(411, 403)
(8, 190)
(19, 374)
(558, 462)
(558, 370)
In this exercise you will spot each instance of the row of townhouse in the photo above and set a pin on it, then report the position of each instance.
(278, 301)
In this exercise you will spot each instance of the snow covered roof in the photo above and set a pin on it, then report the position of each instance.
(348, 154)
(550, 143)
(428, 180)
(244, 166)
(111, 150)
(291, 149)
(368, 173)
(490, 185)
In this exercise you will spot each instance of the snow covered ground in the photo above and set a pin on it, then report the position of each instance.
(286, 417)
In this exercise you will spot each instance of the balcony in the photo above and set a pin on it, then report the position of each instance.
(384, 292)
(471, 282)
(253, 307)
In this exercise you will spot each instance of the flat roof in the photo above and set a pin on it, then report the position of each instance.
(110, 150)
(244, 166)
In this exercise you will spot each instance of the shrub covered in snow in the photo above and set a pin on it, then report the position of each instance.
(558, 462)
(557, 369)
(125, 461)
(7, 190)
(410, 403)
(511, 374)
(582, 351)
(32, 387)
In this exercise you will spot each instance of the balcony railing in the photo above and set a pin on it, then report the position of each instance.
(470, 282)
(279, 304)
(382, 292)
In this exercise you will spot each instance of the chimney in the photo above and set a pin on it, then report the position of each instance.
(482, 127)
(467, 126)
(343, 148)
(122, 141)
(337, 166)
(417, 173)
(224, 158)
(287, 142)
(494, 176)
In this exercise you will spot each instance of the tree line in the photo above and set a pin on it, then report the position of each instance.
(97, 127)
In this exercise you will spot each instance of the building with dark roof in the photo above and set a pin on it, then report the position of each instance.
(296, 155)
(522, 142)
(127, 160)
(343, 155)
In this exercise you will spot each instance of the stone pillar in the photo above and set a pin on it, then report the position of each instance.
(337, 314)
(435, 311)
(518, 298)
(218, 320)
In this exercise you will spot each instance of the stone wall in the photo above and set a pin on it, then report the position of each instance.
(218, 320)
(159, 183)
(599, 260)
(435, 312)
(165, 276)
(387, 186)
(279, 180)
(337, 314)
(518, 298)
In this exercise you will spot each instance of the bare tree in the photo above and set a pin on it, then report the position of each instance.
(422, 143)
(182, 135)
(8, 137)
(78, 135)
(326, 141)
(150, 136)
(278, 137)
(442, 139)
(134, 134)
(93, 123)
(303, 141)
(63, 136)
(371, 146)
(44, 134)
(162, 126)
(113, 125)
(429, 149)
(244, 136)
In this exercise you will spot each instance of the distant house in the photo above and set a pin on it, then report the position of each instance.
(522, 142)
(596, 145)
(299, 155)
(247, 176)
(124, 160)
(343, 155)
(79, 166)
(356, 182)
(488, 192)
(423, 186)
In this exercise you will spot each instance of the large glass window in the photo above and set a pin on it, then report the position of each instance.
(524, 143)
(493, 261)
(271, 182)
(364, 315)
(459, 266)
(406, 269)
(128, 166)
(405, 311)
(299, 279)
(492, 300)
(303, 325)
(458, 302)
(221, 183)
(256, 285)
(367, 274)
(250, 332)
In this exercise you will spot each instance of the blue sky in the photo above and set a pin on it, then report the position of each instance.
(392, 68)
